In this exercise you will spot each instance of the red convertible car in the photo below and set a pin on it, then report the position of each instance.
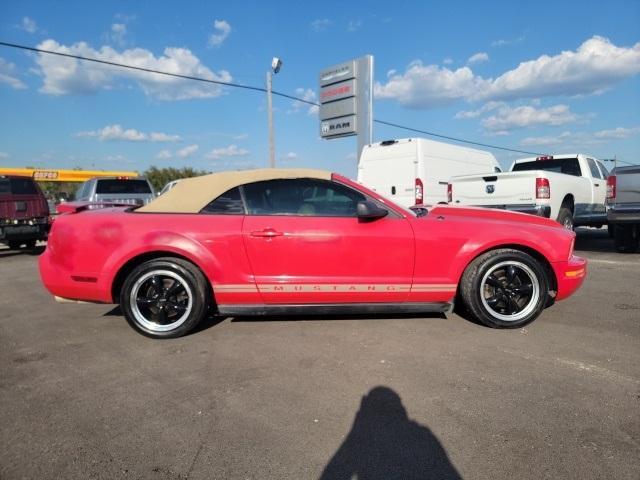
(277, 241)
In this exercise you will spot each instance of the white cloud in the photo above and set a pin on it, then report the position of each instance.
(187, 151)
(546, 141)
(225, 152)
(118, 33)
(478, 57)
(425, 86)
(350, 156)
(510, 118)
(29, 25)
(8, 75)
(116, 132)
(309, 95)
(222, 31)
(242, 136)
(596, 65)
(487, 107)
(618, 133)
(504, 42)
(446, 61)
(163, 137)
(320, 24)
(581, 139)
(290, 156)
(354, 25)
(63, 76)
(4, 155)
(164, 155)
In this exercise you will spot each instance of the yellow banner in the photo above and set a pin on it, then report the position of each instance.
(56, 175)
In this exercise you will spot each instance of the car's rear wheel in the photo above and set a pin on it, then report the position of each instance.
(505, 288)
(164, 298)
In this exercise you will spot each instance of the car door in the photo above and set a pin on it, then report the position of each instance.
(306, 245)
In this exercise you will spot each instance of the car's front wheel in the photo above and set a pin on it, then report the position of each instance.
(505, 288)
(164, 298)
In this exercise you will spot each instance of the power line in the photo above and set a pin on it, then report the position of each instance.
(382, 122)
(257, 89)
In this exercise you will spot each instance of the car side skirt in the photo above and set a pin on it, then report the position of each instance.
(334, 308)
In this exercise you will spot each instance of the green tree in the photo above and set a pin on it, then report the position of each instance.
(159, 177)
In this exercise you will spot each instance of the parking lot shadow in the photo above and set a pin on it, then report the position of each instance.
(385, 444)
(593, 240)
(351, 316)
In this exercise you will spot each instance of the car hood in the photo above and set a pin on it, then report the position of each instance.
(479, 213)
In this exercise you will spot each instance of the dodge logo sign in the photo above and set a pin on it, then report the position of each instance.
(491, 188)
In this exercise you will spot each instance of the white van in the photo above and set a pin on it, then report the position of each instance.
(414, 171)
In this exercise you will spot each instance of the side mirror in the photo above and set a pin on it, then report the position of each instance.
(370, 211)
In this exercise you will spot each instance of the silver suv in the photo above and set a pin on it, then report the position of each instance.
(132, 191)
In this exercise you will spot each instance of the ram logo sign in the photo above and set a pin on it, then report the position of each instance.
(491, 188)
(346, 100)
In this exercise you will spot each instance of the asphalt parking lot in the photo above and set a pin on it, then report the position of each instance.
(84, 396)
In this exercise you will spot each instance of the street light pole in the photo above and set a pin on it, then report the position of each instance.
(276, 63)
(272, 148)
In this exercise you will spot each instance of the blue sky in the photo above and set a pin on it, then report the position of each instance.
(538, 76)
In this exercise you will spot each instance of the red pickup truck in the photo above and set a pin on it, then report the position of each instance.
(24, 213)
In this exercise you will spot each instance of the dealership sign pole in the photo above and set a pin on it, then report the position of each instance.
(346, 101)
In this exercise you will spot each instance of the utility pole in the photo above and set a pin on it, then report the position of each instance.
(272, 148)
(276, 63)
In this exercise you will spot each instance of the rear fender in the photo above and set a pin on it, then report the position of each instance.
(163, 242)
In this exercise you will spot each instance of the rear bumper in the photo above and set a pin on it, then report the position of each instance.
(570, 276)
(10, 233)
(71, 285)
(538, 210)
(623, 215)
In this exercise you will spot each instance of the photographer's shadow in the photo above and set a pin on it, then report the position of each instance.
(385, 444)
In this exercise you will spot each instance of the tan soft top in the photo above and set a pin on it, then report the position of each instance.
(190, 195)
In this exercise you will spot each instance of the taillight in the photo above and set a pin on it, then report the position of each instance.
(449, 193)
(543, 190)
(611, 187)
(419, 192)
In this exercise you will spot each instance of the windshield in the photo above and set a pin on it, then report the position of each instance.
(17, 186)
(568, 166)
(123, 187)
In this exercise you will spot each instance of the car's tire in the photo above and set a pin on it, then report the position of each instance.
(505, 288)
(565, 218)
(165, 297)
(30, 244)
(14, 245)
(625, 238)
(610, 230)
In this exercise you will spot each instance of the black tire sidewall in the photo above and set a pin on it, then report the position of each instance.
(564, 214)
(190, 274)
(471, 291)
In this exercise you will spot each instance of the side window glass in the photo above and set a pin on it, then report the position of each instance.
(229, 203)
(603, 169)
(302, 197)
(595, 173)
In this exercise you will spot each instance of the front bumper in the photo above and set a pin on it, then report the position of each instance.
(570, 276)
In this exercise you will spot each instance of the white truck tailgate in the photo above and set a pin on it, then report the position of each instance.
(509, 188)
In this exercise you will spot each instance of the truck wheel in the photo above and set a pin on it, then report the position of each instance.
(565, 218)
(14, 245)
(625, 238)
(165, 297)
(505, 288)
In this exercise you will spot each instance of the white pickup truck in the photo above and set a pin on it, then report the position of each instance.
(568, 188)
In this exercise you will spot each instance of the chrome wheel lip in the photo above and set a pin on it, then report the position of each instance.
(139, 316)
(533, 300)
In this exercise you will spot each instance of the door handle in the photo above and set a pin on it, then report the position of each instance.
(266, 233)
(597, 184)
